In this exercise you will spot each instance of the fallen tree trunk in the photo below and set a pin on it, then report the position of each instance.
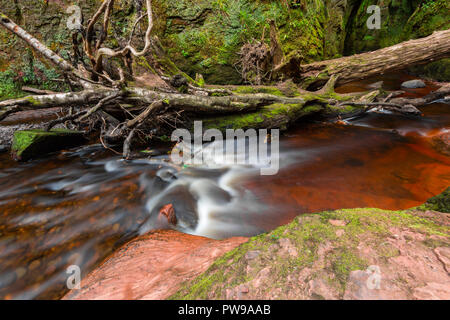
(69, 71)
(126, 112)
(141, 96)
(35, 44)
(369, 64)
(442, 93)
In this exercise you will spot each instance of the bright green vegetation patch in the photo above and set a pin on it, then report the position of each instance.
(205, 36)
(251, 90)
(35, 75)
(29, 144)
(439, 203)
(438, 70)
(276, 115)
(306, 235)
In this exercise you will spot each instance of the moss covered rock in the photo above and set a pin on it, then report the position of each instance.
(439, 203)
(28, 144)
(205, 36)
(334, 255)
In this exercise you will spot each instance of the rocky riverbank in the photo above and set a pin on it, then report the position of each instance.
(342, 254)
(153, 266)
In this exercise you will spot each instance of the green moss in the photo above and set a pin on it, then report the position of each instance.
(29, 144)
(307, 233)
(345, 260)
(439, 203)
(252, 90)
(205, 36)
(280, 114)
(313, 108)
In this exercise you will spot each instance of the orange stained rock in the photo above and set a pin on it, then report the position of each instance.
(169, 212)
(152, 266)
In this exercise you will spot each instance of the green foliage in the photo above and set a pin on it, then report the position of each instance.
(439, 203)
(210, 34)
(307, 233)
(35, 74)
(401, 21)
(8, 88)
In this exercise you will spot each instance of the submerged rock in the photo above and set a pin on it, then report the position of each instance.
(376, 85)
(169, 213)
(28, 144)
(441, 143)
(410, 109)
(413, 84)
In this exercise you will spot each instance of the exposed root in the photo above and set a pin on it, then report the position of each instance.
(137, 121)
(255, 62)
(100, 105)
(124, 113)
(127, 144)
(69, 117)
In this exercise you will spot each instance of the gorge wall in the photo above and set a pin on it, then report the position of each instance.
(205, 36)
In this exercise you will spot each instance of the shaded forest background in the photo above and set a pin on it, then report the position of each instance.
(205, 36)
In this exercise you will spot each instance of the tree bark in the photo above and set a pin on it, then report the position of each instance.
(35, 44)
(219, 108)
(369, 64)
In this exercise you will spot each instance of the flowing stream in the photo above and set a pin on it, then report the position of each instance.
(78, 206)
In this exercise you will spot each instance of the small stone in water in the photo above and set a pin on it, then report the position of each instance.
(169, 212)
(413, 84)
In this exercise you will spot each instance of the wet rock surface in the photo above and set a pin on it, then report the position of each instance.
(413, 84)
(441, 143)
(28, 144)
(152, 266)
(359, 254)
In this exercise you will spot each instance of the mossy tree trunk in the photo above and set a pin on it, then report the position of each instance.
(369, 64)
(121, 109)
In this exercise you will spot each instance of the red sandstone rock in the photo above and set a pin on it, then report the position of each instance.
(337, 223)
(152, 266)
(443, 255)
(442, 142)
(169, 212)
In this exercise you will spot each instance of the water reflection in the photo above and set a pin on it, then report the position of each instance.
(77, 207)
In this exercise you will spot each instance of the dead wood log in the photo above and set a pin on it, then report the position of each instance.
(67, 69)
(144, 110)
(441, 93)
(369, 64)
(37, 91)
(85, 97)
